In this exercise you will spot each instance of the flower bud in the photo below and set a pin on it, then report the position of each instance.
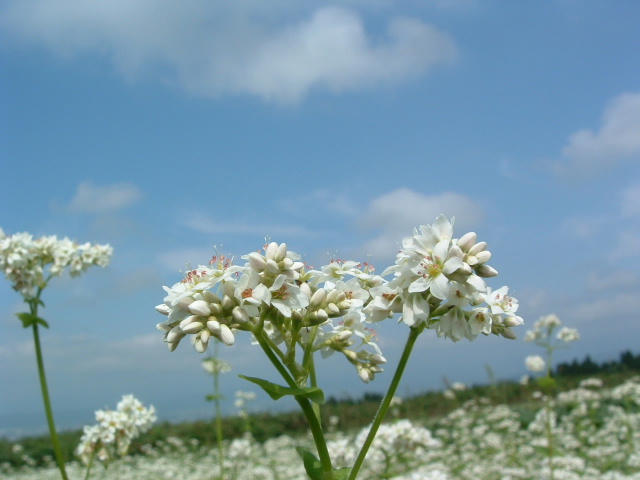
(477, 248)
(485, 271)
(377, 359)
(513, 321)
(184, 302)
(187, 321)
(213, 325)
(163, 327)
(332, 309)
(272, 267)
(281, 252)
(200, 307)
(508, 333)
(227, 303)
(256, 261)
(306, 289)
(226, 335)
(174, 335)
(163, 309)
(193, 327)
(270, 251)
(467, 241)
(484, 256)
(240, 315)
(343, 335)
(317, 298)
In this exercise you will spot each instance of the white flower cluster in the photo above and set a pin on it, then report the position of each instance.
(535, 363)
(24, 259)
(437, 280)
(215, 365)
(112, 435)
(542, 331)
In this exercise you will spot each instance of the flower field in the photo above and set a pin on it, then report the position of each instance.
(595, 435)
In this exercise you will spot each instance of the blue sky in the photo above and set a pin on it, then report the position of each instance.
(167, 129)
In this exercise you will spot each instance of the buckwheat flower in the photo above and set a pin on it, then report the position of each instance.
(535, 363)
(29, 263)
(567, 335)
(215, 365)
(286, 296)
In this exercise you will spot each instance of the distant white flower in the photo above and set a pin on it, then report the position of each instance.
(567, 335)
(115, 430)
(29, 263)
(535, 363)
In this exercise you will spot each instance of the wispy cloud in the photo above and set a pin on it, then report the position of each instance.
(279, 53)
(90, 198)
(204, 224)
(394, 215)
(618, 138)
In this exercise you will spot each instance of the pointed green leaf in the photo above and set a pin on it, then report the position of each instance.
(311, 464)
(29, 319)
(275, 391)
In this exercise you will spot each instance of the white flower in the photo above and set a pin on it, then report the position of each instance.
(567, 335)
(535, 363)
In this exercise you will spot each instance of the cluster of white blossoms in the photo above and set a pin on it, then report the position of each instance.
(24, 259)
(543, 328)
(437, 280)
(112, 435)
(535, 363)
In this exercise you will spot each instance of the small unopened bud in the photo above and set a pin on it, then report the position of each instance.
(200, 307)
(281, 252)
(317, 298)
(270, 251)
(228, 303)
(508, 333)
(213, 325)
(193, 327)
(174, 335)
(306, 289)
(513, 321)
(485, 271)
(466, 241)
(240, 315)
(187, 321)
(163, 309)
(343, 335)
(484, 256)
(226, 335)
(332, 309)
(377, 359)
(477, 248)
(272, 267)
(163, 327)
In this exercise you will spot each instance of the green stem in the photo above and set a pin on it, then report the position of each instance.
(305, 405)
(216, 390)
(384, 406)
(93, 456)
(47, 403)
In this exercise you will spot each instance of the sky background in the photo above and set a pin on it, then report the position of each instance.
(166, 129)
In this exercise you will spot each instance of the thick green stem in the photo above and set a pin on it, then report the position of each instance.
(47, 404)
(305, 405)
(384, 406)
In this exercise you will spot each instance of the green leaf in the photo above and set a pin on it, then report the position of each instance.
(547, 384)
(275, 391)
(341, 473)
(311, 464)
(29, 319)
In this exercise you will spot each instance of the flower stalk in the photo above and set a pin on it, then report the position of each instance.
(414, 333)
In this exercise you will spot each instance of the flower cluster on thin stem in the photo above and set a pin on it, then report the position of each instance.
(293, 312)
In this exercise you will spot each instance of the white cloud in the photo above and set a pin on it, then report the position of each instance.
(618, 138)
(90, 198)
(204, 224)
(279, 53)
(395, 214)
(630, 205)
